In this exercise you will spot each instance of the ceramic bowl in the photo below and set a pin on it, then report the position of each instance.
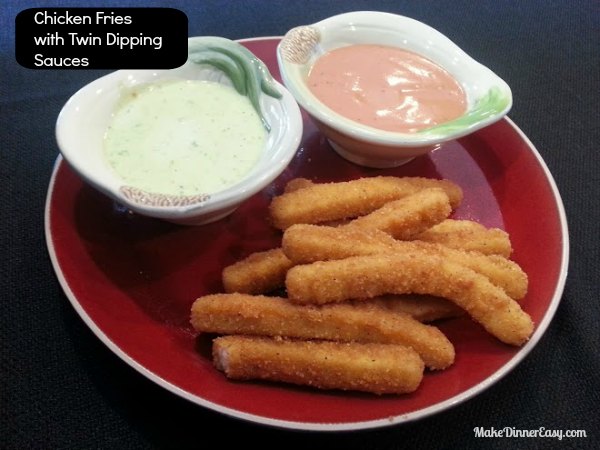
(489, 98)
(83, 121)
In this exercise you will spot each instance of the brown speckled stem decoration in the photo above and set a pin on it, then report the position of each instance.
(298, 44)
(161, 200)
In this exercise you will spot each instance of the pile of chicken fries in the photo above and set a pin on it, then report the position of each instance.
(368, 267)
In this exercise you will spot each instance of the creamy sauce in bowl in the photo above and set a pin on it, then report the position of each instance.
(184, 137)
(386, 88)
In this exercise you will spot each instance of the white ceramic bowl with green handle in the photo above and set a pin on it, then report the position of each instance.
(83, 121)
(489, 98)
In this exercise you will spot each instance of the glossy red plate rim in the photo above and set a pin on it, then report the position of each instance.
(300, 425)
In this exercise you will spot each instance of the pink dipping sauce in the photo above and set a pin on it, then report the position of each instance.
(386, 88)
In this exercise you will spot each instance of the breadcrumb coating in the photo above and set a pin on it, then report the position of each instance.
(271, 316)
(374, 368)
(325, 202)
(411, 272)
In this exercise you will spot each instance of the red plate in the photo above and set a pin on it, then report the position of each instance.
(133, 279)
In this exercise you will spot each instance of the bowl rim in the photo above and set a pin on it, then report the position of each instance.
(274, 158)
(290, 73)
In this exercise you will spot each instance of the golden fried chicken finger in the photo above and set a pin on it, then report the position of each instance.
(295, 184)
(410, 215)
(424, 308)
(259, 273)
(303, 243)
(501, 271)
(468, 235)
(452, 190)
(411, 272)
(374, 368)
(334, 201)
(309, 243)
(271, 316)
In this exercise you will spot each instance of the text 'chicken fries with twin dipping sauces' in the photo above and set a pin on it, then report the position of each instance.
(365, 266)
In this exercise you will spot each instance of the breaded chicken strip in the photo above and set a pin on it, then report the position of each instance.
(310, 243)
(258, 273)
(411, 272)
(424, 308)
(374, 368)
(468, 235)
(408, 216)
(271, 316)
(334, 201)
(303, 243)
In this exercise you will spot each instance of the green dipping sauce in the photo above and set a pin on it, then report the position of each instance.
(184, 137)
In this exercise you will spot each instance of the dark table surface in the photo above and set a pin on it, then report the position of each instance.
(62, 388)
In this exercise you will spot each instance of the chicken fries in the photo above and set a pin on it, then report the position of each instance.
(408, 216)
(424, 308)
(364, 270)
(374, 368)
(259, 273)
(411, 272)
(270, 316)
(325, 202)
(468, 235)
(309, 243)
